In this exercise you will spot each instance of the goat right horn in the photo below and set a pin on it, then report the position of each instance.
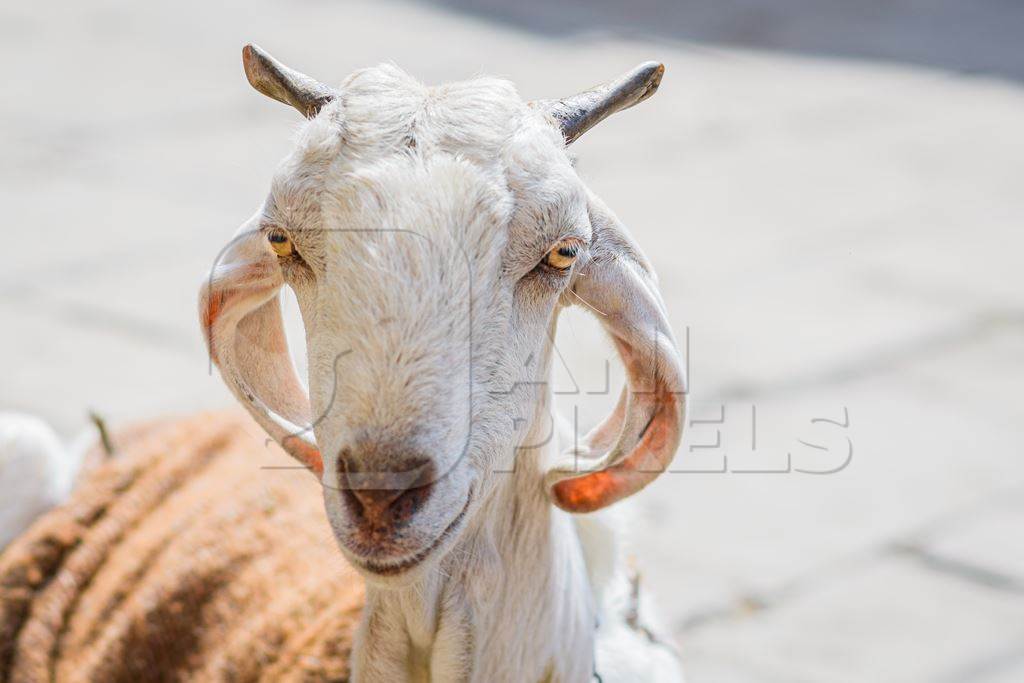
(275, 80)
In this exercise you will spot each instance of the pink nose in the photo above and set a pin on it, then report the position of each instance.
(385, 499)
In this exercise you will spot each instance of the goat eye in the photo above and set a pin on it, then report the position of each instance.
(563, 254)
(280, 243)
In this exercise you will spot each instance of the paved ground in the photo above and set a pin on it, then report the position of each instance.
(841, 236)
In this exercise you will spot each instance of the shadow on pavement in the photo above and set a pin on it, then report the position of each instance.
(971, 36)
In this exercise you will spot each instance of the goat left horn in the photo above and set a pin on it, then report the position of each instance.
(579, 113)
(275, 80)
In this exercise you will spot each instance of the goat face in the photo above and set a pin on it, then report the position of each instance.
(431, 236)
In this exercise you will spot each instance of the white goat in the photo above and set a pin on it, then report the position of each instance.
(431, 237)
(36, 471)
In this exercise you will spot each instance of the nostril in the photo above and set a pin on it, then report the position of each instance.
(386, 498)
(375, 503)
(409, 503)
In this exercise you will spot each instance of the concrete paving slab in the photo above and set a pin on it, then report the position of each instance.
(889, 621)
(92, 359)
(986, 542)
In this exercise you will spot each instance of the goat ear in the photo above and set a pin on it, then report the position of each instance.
(578, 113)
(637, 441)
(240, 313)
(277, 81)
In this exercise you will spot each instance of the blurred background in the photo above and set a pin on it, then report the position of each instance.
(831, 191)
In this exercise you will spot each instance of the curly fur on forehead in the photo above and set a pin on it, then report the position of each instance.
(384, 108)
(385, 112)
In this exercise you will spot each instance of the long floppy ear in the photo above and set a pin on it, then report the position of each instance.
(637, 441)
(240, 313)
(277, 81)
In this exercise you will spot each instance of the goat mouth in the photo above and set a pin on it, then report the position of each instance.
(396, 568)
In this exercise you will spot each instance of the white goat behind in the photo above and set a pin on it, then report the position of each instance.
(628, 646)
(36, 472)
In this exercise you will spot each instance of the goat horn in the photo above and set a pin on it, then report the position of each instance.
(274, 79)
(579, 113)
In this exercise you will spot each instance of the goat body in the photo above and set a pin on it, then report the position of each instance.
(36, 471)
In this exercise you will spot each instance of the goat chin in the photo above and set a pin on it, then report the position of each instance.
(36, 472)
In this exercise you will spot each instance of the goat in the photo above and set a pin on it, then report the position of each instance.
(431, 237)
(36, 471)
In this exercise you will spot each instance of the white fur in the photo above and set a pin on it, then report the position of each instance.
(36, 472)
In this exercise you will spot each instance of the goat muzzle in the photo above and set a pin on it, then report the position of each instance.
(385, 500)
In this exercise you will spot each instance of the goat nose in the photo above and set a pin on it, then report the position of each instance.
(385, 499)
